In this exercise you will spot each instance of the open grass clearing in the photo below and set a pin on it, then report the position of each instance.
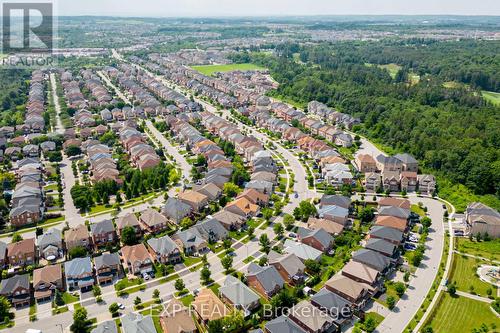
(460, 314)
(211, 69)
(463, 273)
(486, 249)
(491, 96)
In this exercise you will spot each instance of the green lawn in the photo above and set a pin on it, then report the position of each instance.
(463, 272)
(249, 259)
(59, 310)
(377, 319)
(460, 314)
(393, 69)
(68, 298)
(489, 250)
(211, 69)
(491, 96)
(189, 261)
(418, 210)
(187, 300)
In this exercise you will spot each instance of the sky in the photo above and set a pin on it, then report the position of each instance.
(211, 8)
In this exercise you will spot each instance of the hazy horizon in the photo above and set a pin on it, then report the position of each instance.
(276, 8)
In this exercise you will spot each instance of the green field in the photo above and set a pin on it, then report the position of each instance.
(489, 250)
(393, 69)
(491, 96)
(211, 69)
(463, 273)
(461, 314)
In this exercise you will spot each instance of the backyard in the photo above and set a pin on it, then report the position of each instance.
(463, 273)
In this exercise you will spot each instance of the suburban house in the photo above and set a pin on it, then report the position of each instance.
(176, 318)
(372, 259)
(408, 162)
(211, 191)
(135, 323)
(194, 199)
(392, 235)
(382, 246)
(283, 324)
(254, 196)
(318, 238)
(365, 163)
(289, 266)
(333, 304)
(311, 319)
(128, 220)
(392, 222)
(46, 280)
(3, 254)
(242, 207)
(266, 280)
(230, 220)
(190, 241)
(334, 213)
(394, 202)
(17, 290)
(303, 251)
(335, 200)
(361, 273)
(356, 293)
(175, 210)
(208, 306)
(108, 326)
(164, 250)
(212, 230)
(153, 221)
(103, 233)
(77, 236)
(482, 219)
(50, 244)
(426, 184)
(331, 227)
(137, 259)
(239, 295)
(79, 274)
(107, 266)
(22, 253)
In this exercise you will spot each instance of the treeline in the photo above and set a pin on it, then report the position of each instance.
(14, 87)
(451, 131)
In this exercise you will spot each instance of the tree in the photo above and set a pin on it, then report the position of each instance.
(179, 285)
(231, 190)
(312, 266)
(226, 243)
(186, 223)
(428, 329)
(406, 276)
(137, 301)
(4, 307)
(452, 289)
(400, 288)
(156, 293)
(263, 261)
(96, 290)
(128, 235)
(265, 243)
(267, 213)
(250, 232)
(58, 299)
(81, 324)
(73, 151)
(278, 229)
(113, 309)
(216, 326)
(77, 252)
(288, 220)
(227, 262)
(366, 214)
(370, 325)
(16, 237)
(304, 210)
(426, 222)
(205, 275)
(391, 302)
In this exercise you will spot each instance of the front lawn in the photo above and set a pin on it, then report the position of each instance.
(187, 300)
(371, 321)
(418, 210)
(463, 273)
(460, 314)
(69, 298)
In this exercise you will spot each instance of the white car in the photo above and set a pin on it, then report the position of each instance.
(121, 306)
(145, 276)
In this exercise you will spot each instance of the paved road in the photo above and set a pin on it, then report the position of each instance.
(173, 151)
(70, 211)
(424, 276)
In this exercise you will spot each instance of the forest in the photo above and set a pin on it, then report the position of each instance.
(452, 131)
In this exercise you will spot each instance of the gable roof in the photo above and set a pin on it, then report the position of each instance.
(392, 234)
(137, 323)
(78, 266)
(106, 260)
(380, 245)
(371, 258)
(129, 220)
(320, 235)
(238, 293)
(209, 306)
(336, 200)
(105, 327)
(361, 271)
(283, 324)
(7, 286)
(328, 300)
(303, 251)
(162, 246)
(391, 222)
(311, 317)
(152, 217)
(394, 211)
(289, 261)
(47, 274)
(331, 227)
(396, 202)
(102, 227)
(268, 276)
(176, 209)
(176, 318)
